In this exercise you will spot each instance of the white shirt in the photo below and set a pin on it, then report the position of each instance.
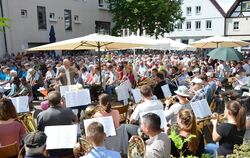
(171, 113)
(50, 74)
(85, 76)
(67, 76)
(146, 106)
(246, 67)
(241, 82)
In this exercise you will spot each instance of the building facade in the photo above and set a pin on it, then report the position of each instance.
(31, 21)
(203, 18)
(238, 20)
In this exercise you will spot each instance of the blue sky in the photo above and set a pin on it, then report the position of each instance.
(226, 4)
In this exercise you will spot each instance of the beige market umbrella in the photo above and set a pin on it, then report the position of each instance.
(93, 41)
(219, 41)
(169, 44)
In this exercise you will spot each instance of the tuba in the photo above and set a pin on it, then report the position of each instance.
(136, 147)
(28, 121)
(82, 148)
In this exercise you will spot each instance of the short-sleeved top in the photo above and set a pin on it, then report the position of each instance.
(229, 137)
(185, 149)
(115, 115)
(102, 152)
(148, 105)
(11, 133)
(54, 116)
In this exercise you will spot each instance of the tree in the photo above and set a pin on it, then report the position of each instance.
(3, 23)
(155, 16)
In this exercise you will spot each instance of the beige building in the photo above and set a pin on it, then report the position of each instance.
(31, 21)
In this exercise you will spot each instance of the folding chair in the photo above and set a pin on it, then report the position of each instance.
(123, 111)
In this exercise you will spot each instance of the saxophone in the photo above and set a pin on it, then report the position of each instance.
(28, 121)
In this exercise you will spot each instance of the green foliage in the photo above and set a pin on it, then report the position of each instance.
(3, 23)
(155, 16)
(242, 151)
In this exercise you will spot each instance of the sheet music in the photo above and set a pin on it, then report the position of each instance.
(21, 103)
(160, 113)
(137, 95)
(77, 98)
(201, 109)
(61, 137)
(122, 92)
(107, 122)
(67, 88)
(166, 90)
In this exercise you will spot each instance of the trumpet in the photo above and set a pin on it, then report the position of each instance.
(91, 110)
(220, 118)
(169, 101)
(82, 148)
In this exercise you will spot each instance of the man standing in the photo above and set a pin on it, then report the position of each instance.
(67, 74)
(158, 145)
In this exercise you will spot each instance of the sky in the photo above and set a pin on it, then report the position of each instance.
(226, 4)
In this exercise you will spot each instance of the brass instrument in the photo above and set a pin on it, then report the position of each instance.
(136, 147)
(169, 101)
(176, 77)
(82, 148)
(147, 81)
(28, 121)
(91, 110)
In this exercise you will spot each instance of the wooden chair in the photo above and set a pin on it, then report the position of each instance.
(10, 150)
(123, 110)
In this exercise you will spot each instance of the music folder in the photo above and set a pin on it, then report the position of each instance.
(107, 122)
(160, 113)
(21, 104)
(77, 98)
(166, 91)
(201, 109)
(61, 137)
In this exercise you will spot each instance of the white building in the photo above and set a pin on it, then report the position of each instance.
(203, 18)
(31, 21)
(238, 20)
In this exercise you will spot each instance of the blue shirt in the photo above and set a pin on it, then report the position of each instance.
(102, 152)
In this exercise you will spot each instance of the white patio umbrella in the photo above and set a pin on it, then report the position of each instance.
(169, 44)
(93, 41)
(219, 41)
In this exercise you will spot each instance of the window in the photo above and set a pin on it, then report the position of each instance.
(24, 12)
(198, 10)
(198, 25)
(102, 27)
(189, 26)
(76, 18)
(104, 4)
(52, 15)
(236, 25)
(179, 26)
(67, 20)
(189, 10)
(41, 17)
(209, 24)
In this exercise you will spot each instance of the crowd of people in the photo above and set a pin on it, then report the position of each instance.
(223, 84)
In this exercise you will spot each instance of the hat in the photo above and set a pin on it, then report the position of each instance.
(31, 70)
(183, 91)
(27, 64)
(210, 74)
(197, 80)
(35, 140)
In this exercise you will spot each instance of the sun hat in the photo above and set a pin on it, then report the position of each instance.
(183, 91)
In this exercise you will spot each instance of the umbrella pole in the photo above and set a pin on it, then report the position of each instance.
(99, 58)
